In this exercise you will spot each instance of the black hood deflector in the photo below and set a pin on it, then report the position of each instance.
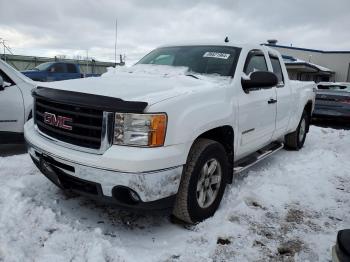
(105, 103)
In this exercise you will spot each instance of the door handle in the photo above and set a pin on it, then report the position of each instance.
(272, 101)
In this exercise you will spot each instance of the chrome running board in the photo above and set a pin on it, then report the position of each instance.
(256, 157)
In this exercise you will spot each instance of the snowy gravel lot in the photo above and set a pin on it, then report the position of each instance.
(287, 208)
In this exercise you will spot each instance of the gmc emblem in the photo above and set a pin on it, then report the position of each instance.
(58, 121)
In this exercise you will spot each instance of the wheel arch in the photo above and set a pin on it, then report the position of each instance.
(225, 136)
(308, 109)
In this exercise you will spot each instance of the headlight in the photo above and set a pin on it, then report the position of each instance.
(146, 130)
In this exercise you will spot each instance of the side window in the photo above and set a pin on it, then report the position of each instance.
(71, 68)
(277, 69)
(255, 62)
(6, 78)
(57, 68)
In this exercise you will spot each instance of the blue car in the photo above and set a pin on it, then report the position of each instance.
(55, 71)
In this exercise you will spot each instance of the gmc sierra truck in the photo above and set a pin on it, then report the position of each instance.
(16, 103)
(171, 131)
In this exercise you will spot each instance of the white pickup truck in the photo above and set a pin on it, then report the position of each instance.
(171, 131)
(16, 103)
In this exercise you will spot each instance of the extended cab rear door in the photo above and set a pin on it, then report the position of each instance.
(283, 93)
(257, 109)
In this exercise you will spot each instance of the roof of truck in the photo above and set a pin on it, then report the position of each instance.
(216, 43)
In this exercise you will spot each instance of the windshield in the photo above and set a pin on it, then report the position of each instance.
(44, 66)
(219, 60)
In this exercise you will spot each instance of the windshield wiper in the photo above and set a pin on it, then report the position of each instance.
(192, 76)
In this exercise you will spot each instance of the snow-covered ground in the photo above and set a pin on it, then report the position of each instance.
(289, 207)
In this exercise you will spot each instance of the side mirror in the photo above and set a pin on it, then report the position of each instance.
(2, 83)
(259, 79)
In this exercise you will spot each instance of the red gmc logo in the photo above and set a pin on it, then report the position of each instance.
(58, 121)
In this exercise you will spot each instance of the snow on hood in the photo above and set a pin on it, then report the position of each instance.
(147, 83)
(149, 69)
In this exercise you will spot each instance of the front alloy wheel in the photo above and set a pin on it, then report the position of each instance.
(203, 182)
(209, 183)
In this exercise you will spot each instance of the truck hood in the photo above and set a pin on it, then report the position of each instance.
(143, 86)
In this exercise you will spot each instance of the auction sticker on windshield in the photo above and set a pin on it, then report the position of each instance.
(216, 55)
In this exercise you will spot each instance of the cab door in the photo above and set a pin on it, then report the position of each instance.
(11, 108)
(257, 109)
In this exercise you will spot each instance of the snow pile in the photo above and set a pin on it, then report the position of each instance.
(290, 206)
(164, 70)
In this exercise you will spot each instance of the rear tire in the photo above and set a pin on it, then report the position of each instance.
(296, 139)
(203, 182)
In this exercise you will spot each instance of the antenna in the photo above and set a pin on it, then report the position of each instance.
(115, 44)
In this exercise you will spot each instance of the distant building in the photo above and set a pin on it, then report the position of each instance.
(305, 71)
(22, 63)
(314, 65)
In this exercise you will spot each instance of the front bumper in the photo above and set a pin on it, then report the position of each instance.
(149, 186)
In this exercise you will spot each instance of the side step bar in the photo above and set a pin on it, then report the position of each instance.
(256, 157)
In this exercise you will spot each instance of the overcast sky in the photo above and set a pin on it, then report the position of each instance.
(48, 28)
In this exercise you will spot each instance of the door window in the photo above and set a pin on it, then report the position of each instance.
(277, 69)
(57, 68)
(71, 68)
(255, 62)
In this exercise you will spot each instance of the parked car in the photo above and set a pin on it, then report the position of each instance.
(56, 71)
(333, 101)
(171, 136)
(16, 103)
(341, 250)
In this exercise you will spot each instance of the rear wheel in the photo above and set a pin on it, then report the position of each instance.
(203, 182)
(296, 139)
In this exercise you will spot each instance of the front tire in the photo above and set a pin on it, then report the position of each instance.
(203, 182)
(296, 139)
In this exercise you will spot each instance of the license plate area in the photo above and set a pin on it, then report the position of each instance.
(49, 171)
(55, 171)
